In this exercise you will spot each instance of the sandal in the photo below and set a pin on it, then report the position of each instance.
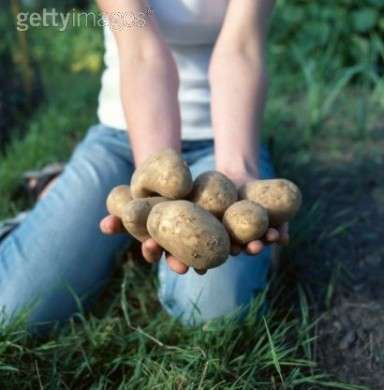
(34, 182)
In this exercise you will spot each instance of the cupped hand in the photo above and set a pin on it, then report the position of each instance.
(278, 235)
(150, 249)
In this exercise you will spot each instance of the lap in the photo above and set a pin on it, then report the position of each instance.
(59, 248)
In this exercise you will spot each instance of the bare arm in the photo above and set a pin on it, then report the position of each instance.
(149, 90)
(238, 79)
(238, 84)
(149, 81)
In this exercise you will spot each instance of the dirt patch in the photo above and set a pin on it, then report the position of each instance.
(351, 338)
(338, 254)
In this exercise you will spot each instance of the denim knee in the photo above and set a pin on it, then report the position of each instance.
(195, 299)
(59, 250)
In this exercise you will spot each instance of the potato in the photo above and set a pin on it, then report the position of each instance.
(117, 199)
(246, 221)
(164, 174)
(189, 233)
(214, 192)
(280, 197)
(134, 216)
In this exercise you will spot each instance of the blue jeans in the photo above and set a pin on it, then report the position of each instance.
(59, 250)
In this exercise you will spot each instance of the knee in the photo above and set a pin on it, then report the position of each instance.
(37, 286)
(32, 305)
(227, 290)
(195, 304)
(39, 309)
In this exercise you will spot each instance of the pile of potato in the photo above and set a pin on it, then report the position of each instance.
(197, 221)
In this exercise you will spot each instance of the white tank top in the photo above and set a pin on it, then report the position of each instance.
(191, 28)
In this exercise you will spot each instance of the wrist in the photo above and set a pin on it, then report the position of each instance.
(238, 158)
(238, 167)
(240, 175)
(142, 151)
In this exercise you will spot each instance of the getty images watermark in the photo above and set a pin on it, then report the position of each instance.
(63, 20)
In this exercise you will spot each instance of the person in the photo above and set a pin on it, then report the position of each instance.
(189, 75)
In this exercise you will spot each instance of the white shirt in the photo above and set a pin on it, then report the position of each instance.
(191, 28)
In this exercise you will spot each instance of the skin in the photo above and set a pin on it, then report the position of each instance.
(238, 81)
(152, 252)
(146, 60)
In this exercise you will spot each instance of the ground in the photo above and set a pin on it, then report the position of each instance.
(351, 331)
(339, 254)
(324, 126)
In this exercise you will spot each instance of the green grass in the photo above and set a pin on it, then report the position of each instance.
(51, 134)
(71, 84)
(131, 343)
(313, 116)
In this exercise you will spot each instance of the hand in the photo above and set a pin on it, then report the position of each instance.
(150, 249)
(278, 235)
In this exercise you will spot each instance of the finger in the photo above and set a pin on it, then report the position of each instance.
(176, 265)
(151, 250)
(111, 225)
(272, 235)
(284, 234)
(235, 249)
(254, 247)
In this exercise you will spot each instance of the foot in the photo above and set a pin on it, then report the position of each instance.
(39, 182)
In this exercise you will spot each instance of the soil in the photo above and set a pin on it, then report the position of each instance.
(340, 256)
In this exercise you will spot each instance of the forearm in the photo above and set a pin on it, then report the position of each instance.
(149, 80)
(238, 80)
(149, 94)
(238, 90)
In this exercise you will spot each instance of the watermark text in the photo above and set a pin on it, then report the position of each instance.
(64, 20)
